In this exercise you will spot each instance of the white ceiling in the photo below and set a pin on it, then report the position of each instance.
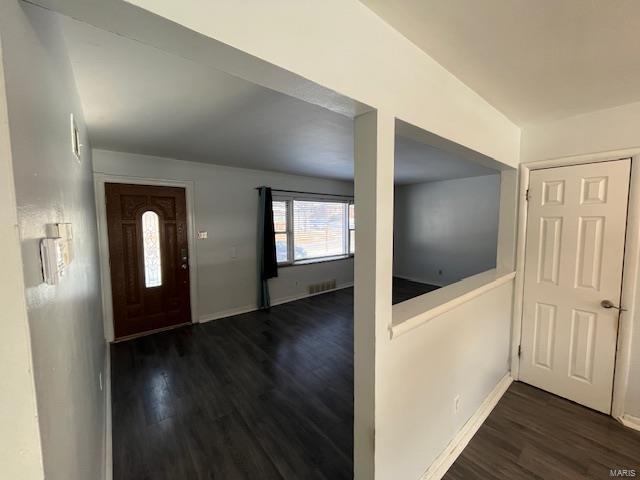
(142, 100)
(534, 60)
(418, 163)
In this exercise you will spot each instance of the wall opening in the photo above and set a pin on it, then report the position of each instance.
(447, 212)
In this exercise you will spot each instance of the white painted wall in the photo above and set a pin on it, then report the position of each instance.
(449, 225)
(601, 131)
(374, 138)
(226, 206)
(462, 352)
(342, 46)
(415, 376)
(360, 56)
(20, 452)
(65, 321)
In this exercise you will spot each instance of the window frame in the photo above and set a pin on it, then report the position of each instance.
(349, 229)
(289, 199)
(288, 227)
(148, 284)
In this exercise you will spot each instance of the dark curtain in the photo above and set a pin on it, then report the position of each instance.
(267, 261)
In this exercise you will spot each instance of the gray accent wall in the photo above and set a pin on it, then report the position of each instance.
(446, 231)
(51, 186)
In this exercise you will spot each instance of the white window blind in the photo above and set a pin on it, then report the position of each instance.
(281, 229)
(319, 229)
(313, 230)
(352, 228)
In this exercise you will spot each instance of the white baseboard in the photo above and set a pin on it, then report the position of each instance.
(630, 421)
(449, 455)
(227, 313)
(293, 298)
(252, 308)
(108, 437)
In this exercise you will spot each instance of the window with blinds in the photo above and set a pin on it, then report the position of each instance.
(352, 228)
(318, 229)
(307, 230)
(281, 229)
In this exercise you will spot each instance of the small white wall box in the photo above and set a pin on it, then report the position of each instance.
(52, 260)
(65, 232)
(56, 251)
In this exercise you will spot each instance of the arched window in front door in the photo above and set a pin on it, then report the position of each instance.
(151, 249)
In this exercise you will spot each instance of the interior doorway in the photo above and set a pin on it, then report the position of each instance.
(575, 243)
(149, 257)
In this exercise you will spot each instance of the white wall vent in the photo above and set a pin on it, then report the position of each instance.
(322, 286)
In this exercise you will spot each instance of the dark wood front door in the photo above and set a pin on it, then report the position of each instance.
(149, 257)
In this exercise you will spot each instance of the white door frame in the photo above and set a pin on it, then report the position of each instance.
(631, 267)
(99, 180)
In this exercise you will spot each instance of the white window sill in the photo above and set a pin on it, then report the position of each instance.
(311, 261)
(419, 310)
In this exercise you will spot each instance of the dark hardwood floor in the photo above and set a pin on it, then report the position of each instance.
(532, 434)
(256, 396)
(269, 395)
(406, 289)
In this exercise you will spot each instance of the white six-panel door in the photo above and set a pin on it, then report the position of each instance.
(574, 254)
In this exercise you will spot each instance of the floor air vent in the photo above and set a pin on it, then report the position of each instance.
(322, 286)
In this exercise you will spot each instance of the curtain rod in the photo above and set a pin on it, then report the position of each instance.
(309, 193)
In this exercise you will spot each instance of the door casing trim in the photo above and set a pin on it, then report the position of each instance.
(99, 180)
(631, 266)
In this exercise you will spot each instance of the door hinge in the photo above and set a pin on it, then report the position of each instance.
(527, 196)
(519, 350)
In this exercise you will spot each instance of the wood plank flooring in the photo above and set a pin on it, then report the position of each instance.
(256, 396)
(269, 395)
(406, 289)
(532, 434)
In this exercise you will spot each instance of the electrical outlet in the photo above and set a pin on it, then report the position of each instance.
(100, 380)
(456, 403)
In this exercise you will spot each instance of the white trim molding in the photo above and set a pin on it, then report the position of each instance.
(252, 308)
(630, 421)
(99, 180)
(232, 312)
(108, 432)
(630, 273)
(453, 450)
(419, 310)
